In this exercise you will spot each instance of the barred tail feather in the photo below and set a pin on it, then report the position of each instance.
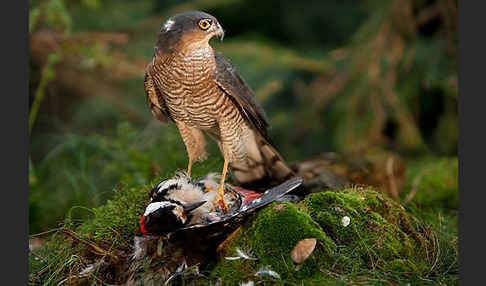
(274, 163)
(265, 166)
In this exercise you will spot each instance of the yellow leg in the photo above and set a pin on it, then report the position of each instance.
(189, 167)
(221, 185)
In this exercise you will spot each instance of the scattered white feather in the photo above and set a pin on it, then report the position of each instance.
(345, 221)
(92, 267)
(265, 270)
(244, 255)
(249, 283)
(241, 254)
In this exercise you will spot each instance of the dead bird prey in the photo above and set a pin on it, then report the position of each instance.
(182, 203)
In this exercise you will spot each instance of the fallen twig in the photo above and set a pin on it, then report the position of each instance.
(95, 248)
(391, 177)
(415, 185)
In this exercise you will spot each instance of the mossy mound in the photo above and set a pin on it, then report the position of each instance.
(433, 183)
(118, 220)
(380, 235)
(270, 237)
(105, 239)
(380, 232)
(381, 244)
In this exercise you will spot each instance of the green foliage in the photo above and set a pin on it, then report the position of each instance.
(51, 13)
(47, 75)
(432, 195)
(432, 183)
(92, 4)
(112, 15)
(55, 14)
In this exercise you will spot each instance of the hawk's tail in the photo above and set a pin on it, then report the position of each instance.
(264, 166)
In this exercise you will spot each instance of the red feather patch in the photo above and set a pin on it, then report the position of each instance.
(248, 195)
(142, 225)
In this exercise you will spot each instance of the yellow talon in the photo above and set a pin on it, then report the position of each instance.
(221, 195)
(221, 185)
(189, 168)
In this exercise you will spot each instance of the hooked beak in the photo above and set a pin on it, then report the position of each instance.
(219, 32)
(192, 206)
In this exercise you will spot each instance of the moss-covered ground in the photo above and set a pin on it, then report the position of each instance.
(384, 243)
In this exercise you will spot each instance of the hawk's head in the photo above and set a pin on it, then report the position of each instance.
(188, 29)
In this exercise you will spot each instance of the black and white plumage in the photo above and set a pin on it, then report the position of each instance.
(184, 190)
(182, 203)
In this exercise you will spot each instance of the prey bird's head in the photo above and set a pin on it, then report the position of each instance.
(188, 29)
(164, 217)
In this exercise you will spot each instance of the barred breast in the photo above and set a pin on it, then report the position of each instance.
(191, 94)
(193, 97)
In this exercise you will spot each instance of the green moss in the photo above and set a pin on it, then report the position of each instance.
(436, 202)
(380, 231)
(117, 220)
(276, 231)
(436, 182)
(271, 236)
(111, 227)
(381, 236)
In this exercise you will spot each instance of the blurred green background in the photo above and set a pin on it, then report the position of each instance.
(333, 76)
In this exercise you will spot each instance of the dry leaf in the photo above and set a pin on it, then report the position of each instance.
(303, 249)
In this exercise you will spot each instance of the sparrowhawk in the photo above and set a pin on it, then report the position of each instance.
(198, 89)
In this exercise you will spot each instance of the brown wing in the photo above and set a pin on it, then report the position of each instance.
(230, 81)
(155, 100)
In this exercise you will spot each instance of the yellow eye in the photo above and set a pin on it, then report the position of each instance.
(204, 24)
